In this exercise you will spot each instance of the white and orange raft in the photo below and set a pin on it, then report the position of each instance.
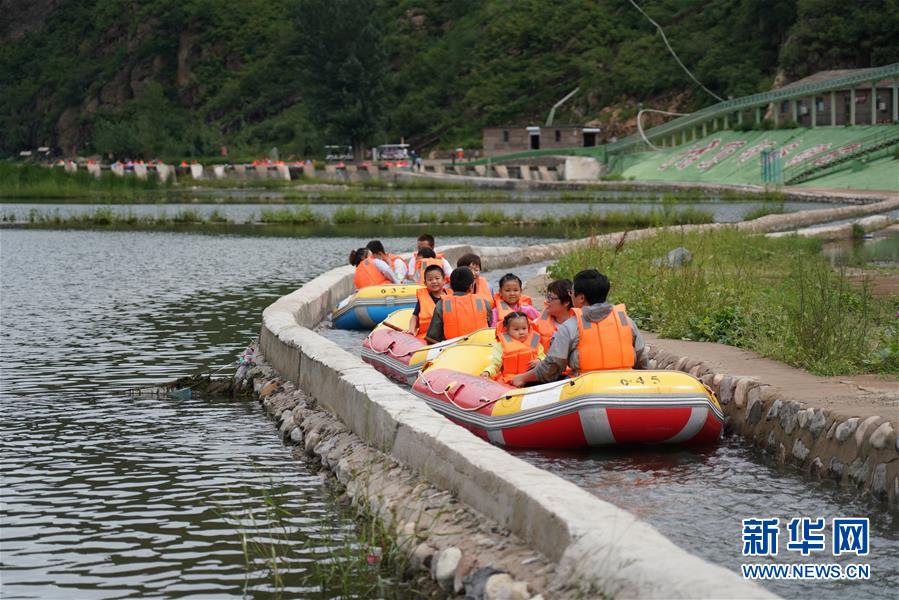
(401, 356)
(595, 409)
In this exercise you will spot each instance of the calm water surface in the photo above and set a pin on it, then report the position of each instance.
(106, 495)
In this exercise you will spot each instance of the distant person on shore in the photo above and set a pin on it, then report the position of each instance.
(371, 266)
(599, 337)
(517, 350)
(425, 240)
(460, 313)
(428, 297)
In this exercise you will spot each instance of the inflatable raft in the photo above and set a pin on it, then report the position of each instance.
(596, 409)
(371, 305)
(401, 356)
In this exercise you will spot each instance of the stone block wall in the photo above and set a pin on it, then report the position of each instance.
(858, 452)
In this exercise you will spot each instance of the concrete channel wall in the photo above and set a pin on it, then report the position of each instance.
(598, 546)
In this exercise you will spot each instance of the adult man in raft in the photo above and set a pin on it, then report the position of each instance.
(599, 337)
(459, 314)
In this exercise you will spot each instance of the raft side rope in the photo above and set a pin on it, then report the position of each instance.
(445, 393)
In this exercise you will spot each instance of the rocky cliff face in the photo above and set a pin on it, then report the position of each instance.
(23, 17)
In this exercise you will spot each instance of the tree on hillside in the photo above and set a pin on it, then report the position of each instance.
(341, 47)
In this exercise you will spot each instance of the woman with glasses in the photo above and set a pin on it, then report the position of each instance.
(556, 310)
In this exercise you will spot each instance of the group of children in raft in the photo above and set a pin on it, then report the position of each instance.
(577, 332)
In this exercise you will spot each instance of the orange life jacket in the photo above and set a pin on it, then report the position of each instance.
(464, 314)
(391, 260)
(546, 326)
(367, 274)
(502, 309)
(517, 356)
(608, 344)
(422, 265)
(482, 289)
(426, 306)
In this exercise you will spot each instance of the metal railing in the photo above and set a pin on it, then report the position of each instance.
(756, 100)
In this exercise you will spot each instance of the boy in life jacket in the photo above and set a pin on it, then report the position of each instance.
(599, 337)
(510, 299)
(481, 287)
(517, 351)
(372, 267)
(413, 273)
(396, 263)
(428, 297)
(427, 258)
(460, 313)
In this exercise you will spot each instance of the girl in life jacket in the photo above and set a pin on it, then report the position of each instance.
(427, 300)
(510, 299)
(517, 350)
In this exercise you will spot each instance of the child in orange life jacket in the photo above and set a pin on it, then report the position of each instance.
(481, 287)
(517, 351)
(396, 263)
(427, 258)
(425, 243)
(461, 312)
(510, 299)
(371, 266)
(428, 298)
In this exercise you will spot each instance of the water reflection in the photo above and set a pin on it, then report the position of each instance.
(699, 497)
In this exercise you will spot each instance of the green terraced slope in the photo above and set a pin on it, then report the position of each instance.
(848, 157)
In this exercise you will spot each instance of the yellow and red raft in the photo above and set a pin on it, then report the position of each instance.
(595, 409)
(401, 356)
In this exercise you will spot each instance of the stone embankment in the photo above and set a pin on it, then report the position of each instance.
(826, 428)
(458, 549)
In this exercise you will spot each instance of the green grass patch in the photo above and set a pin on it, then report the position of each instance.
(778, 297)
(295, 216)
(35, 182)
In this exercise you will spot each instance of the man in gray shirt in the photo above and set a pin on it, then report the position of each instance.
(589, 294)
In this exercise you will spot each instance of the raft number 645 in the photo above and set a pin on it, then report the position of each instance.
(653, 379)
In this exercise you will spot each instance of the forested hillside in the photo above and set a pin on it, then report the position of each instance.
(181, 78)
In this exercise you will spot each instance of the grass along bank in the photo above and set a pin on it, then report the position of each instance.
(350, 215)
(352, 556)
(35, 182)
(776, 296)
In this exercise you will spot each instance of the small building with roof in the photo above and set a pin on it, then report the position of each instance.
(520, 138)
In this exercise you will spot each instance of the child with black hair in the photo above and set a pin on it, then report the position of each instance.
(481, 287)
(424, 242)
(517, 350)
(371, 266)
(510, 299)
(395, 262)
(460, 313)
(599, 337)
(428, 297)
